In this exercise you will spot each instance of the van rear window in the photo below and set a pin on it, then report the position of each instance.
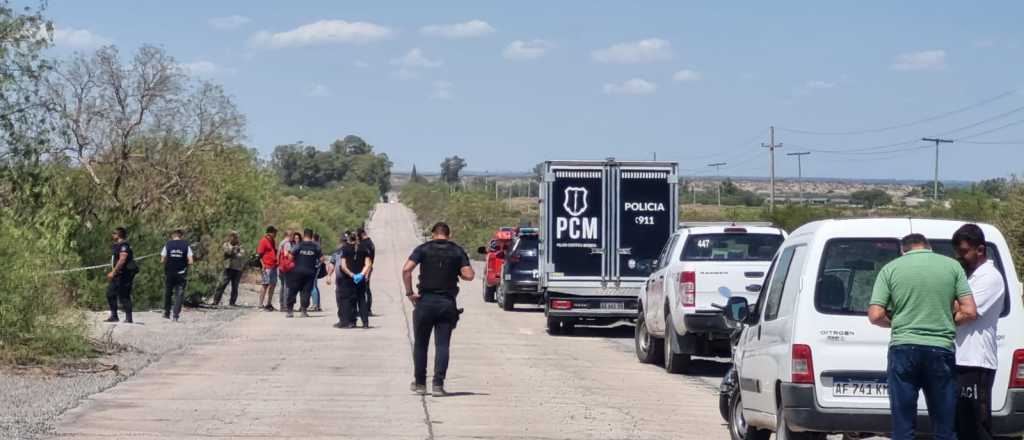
(731, 247)
(848, 269)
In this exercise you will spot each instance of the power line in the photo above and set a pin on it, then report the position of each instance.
(906, 124)
(993, 130)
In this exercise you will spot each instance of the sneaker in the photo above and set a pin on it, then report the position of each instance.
(304, 314)
(350, 326)
(288, 315)
(111, 319)
(175, 319)
(338, 325)
(129, 321)
(270, 308)
(438, 391)
(417, 388)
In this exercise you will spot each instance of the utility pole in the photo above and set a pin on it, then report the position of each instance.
(937, 142)
(718, 172)
(800, 172)
(771, 146)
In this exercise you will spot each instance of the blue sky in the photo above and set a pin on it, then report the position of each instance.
(509, 84)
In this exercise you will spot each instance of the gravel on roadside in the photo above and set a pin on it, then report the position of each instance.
(32, 398)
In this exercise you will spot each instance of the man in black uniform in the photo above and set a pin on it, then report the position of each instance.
(121, 275)
(371, 251)
(353, 264)
(442, 263)
(307, 256)
(176, 257)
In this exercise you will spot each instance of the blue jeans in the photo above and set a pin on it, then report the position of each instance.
(916, 368)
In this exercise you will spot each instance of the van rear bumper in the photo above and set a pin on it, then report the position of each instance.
(804, 414)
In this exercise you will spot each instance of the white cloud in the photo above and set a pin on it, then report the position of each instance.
(819, 85)
(206, 68)
(318, 91)
(229, 23)
(635, 86)
(923, 60)
(687, 75)
(985, 43)
(643, 51)
(405, 74)
(415, 59)
(78, 38)
(442, 91)
(526, 50)
(323, 32)
(361, 64)
(469, 29)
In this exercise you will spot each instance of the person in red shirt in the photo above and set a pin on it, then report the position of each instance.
(267, 250)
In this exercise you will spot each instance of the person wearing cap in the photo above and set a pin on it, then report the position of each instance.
(234, 264)
(176, 256)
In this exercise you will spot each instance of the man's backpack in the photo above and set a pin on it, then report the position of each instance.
(287, 263)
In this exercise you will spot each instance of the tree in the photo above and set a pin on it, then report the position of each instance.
(414, 177)
(996, 188)
(451, 167)
(871, 198)
(136, 127)
(538, 172)
(351, 145)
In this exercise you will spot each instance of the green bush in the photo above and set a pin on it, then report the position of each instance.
(473, 216)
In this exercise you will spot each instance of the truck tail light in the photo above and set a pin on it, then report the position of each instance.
(561, 304)
(688, 289)
(1017, 372)
(803, 364)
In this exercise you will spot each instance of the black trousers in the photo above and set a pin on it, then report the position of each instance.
(369, 297)
(974, 403)
(233, 277)
(120, 289)
(352, 302)
(435, 314)
(300, 286)
(174, 293)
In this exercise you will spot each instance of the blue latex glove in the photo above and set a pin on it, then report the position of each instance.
(358, 278)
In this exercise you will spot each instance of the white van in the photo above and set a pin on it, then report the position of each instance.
(808, 360)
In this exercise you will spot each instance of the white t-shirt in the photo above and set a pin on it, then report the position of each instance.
(976, 340)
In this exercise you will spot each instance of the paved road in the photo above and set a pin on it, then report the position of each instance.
(271, 377)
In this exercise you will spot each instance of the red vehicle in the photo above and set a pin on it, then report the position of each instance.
(495, 251)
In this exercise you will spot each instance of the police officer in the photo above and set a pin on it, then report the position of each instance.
(176, 256)
(442, 264)
(353, 264)
(121, 275)
(308, 256)
(371, 251)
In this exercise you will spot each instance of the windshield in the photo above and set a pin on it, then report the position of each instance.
(849, 268)
(731, 247)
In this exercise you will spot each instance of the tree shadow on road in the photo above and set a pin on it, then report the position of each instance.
(707, 367)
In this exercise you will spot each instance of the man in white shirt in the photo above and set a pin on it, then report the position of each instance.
(976, 340)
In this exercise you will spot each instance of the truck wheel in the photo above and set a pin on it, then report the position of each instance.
(649, 349)
(568, 327)
(507, 302)
(488, 293)
(675, 363)
(738, 427)
(554, 326)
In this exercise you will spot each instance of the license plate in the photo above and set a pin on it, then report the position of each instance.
(857, 388)
(613, 306)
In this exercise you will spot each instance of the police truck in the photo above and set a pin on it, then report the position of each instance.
(603, 224)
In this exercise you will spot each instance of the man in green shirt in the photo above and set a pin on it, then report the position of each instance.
(914, 295)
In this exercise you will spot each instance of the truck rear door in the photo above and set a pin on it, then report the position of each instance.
(577, 223)
(726, 264)
(646, 214)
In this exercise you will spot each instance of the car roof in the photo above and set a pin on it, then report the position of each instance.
(896, 227)
(721, 229)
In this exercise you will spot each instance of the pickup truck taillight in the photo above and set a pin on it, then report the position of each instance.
(803, 364)
(561, 304)
(688, 289)
(1017, 372)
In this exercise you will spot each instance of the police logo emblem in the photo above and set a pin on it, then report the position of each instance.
(575, 200)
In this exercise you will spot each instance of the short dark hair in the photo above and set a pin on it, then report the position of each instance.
(307, 233)
(121, 232)
(177, 233)
(316, 237)
(361, 232)
(271, 229)
(970, 233)
(914, 239)
(441, 228)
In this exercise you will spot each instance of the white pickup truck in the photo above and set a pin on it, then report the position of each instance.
(701, 265)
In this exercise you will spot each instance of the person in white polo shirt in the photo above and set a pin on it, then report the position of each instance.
(976, 339)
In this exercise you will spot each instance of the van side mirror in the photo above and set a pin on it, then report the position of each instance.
(481, 250)
(737, 309)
